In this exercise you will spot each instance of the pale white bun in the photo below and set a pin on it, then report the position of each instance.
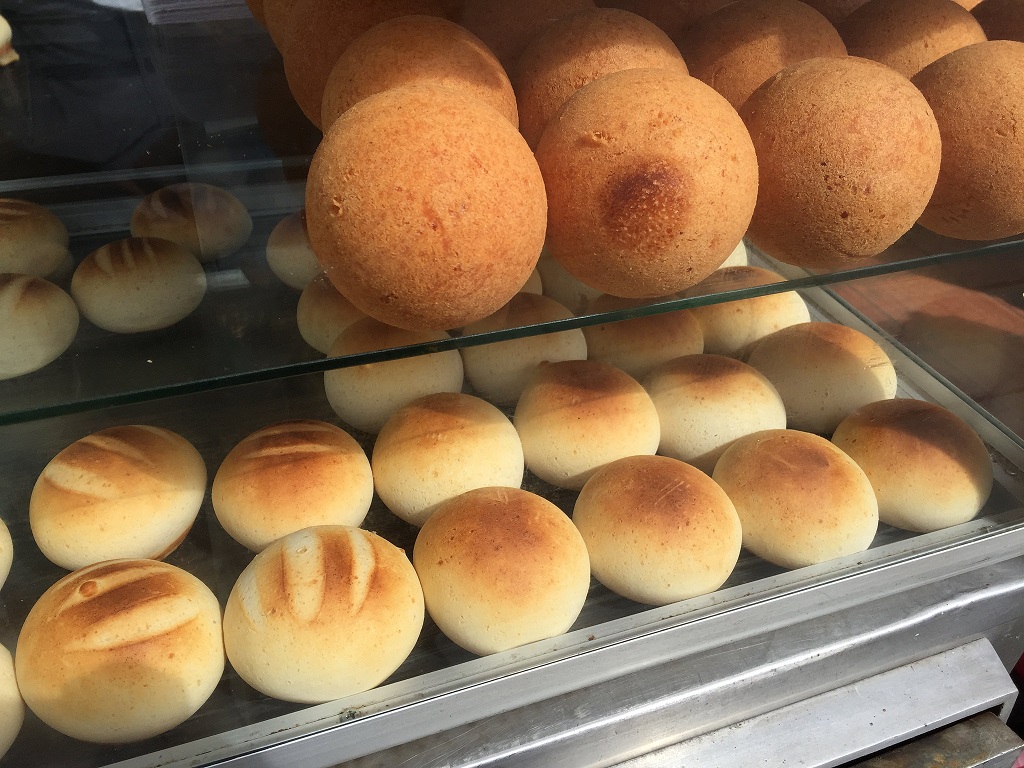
(209, 221)
(366, 395)
(124, 492)
(801, 500)
(12, 706)
(33, 241)
(7, 53)
(733, 327)
(564, 288)
(289, 253)
(323, 613)
(6, 553)
(657, 530)
(531, 584)
(138, 284)
(824, 372)
(440, 446)
(120, 651)
(640, 345)
(707, 402)
(500, 370)
(534, 284)
(290, 476)
(323, 314)
(576, 416)
(38, 322)
(738, 257)
(928, 468)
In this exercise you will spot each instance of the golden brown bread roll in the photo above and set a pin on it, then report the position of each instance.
(824, 372)
(120, 651)
(366, 395)
(417, 49)
(290, 476)
(6, 553)
(639, 345)
(277, 14)
(426, 208)
(501, 567)
(323, 613)
(123, 492)
(12, 706)
(323, 313)
(289, 254)
(319, 31)
(830, 192)
(33, 241)
(1001, 19)
(209, 221)
(928, 468)
(576, 416)
(979, 108)
(738, 47)
(732, 328)
(499, 370)
(908, 35)
(707, 402)
(138, 284)
(440, 446)
(657, 530)
(800, 500)
(38, 322)
(578, 49)
(651, 180)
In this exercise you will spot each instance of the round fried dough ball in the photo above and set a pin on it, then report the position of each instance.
(908, 35)
(737, 48)
(848, 154)
(651, 181)
(579, 49)
(425, 207)
(417, 49)
(979, 105)
(1001, 19)
(319, 31)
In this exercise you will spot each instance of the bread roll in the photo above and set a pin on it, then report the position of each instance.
(576, 416)
(208, 220)
(639, 345)
(1001, 19)
(500, 568)
(651, 181)
(139, 284)
(707, 402)
(120, 651)
(323, 313)
(290, 476)
(33, 241)
(123, 492)
(425, 207)
(6, 553)
(289, 253)
(325, 612)
(499, 370)
(800, 500)
(979, 109)
(417, 49)
(12, 706)
(657, 530)
(928, 468)
(566, 289)
(366, 395)
(832, 193)
(440, 446)
(278, 15)
(908, 35)
(578, 49)
(7, 53)
(732, 328)
(738, 47)
(38, 321)
(824, 372)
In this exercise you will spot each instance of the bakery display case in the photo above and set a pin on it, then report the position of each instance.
(829, 663)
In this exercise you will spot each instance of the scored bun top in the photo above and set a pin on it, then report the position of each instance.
(33, 241)
(120, 651)
(209, 221)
